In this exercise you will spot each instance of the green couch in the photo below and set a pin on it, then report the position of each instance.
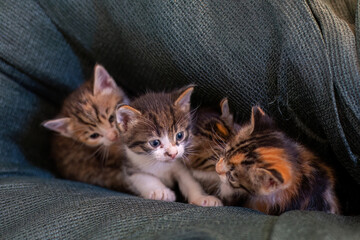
(299, 59)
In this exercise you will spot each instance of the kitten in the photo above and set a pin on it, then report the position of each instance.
(85, 149)
(275, 173)
(211, 132)
(156, 129)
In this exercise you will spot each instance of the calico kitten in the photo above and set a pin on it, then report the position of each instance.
(156, 129)
(87, 148)
(211, 132)
(275, 173)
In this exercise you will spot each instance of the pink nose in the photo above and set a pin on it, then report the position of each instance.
(171, 155)
(112, 136)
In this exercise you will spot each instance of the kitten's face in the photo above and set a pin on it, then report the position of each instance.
(157, 125)
(256, 161)
(90, 112)
(94, 124)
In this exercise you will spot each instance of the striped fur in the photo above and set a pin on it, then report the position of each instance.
(84, 148)
(156, 117)
(212, 130)
(275, 173)
(150, 127)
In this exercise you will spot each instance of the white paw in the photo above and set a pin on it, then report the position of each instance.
(207, 201)
(163, 194)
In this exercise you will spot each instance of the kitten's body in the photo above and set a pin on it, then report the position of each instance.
(157, 133)
(274, 173)
(211, 132)
(78, 162)
(88, 146)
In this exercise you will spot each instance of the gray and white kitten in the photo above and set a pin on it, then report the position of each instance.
(156, 131)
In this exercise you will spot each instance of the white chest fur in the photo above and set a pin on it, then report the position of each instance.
(163, 170)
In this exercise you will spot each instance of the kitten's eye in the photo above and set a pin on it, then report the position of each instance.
(94, 135)
(155, 143)
(111, 119)
(179, 136)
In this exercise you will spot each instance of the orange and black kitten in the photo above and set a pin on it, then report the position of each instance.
(87, 147)
(213, 129)
(274, 172)
(156, 129)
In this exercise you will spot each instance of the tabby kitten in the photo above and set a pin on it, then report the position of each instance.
(211, 132)
(87, 148)
(275, 173)
(156, 130)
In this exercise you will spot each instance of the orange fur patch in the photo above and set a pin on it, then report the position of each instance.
(277, 158)
(237, 159)
(261, 111)
(222, 129)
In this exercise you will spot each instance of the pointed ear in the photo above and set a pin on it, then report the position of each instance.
(259, 120)
(225, 112)
(269, 179)
(103, 82)
(183, 101)
(126, 116)
(60, 125)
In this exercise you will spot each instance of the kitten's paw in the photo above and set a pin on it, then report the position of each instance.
(163, 194)
(207, 201)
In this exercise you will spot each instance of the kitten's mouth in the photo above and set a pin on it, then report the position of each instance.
(170, 160)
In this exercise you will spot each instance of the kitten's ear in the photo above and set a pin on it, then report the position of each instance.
(225, 112)
(183, 100)
(126, 116)
(270, 180)
(259, 120)
(60, 125)
(103, 82)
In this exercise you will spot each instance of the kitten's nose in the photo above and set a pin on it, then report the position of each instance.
(112, 136)
(172, 155)
(220, 167)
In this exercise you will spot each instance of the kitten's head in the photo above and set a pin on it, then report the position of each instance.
(211, 133)
(256, 160)
(88, 114)
(157, 124)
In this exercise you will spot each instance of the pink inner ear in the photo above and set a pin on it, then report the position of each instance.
(102, 80)
(58, 125)
(105, 83)
(125, 119)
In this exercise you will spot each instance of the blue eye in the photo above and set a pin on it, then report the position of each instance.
(155, 143)
(179, 136)
(94, 135)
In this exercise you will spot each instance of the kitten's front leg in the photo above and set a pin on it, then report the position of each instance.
(150, 187)
(192, 190)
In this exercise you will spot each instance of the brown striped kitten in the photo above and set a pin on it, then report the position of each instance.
(156, 129)
(213, 129)
(87, 146)
(276, 173)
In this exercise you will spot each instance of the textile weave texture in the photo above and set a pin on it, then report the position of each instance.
(297, 59)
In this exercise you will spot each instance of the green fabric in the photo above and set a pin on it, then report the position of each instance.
(297, 59)
(38, 209)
